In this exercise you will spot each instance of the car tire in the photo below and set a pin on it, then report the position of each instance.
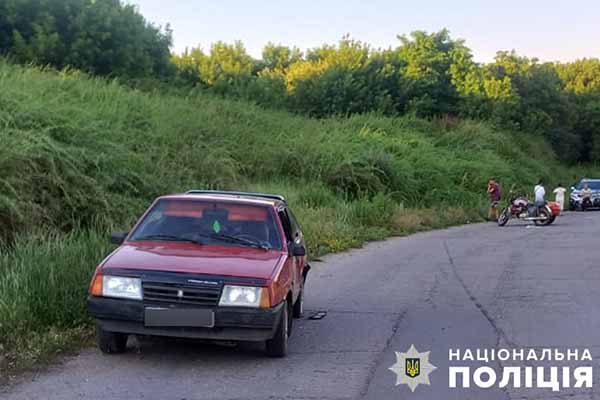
(299, 305)
(111, 342)
(278, 345)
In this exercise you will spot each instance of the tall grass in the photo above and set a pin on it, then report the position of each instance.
(76, 150)
(43, 285)
(80, 155)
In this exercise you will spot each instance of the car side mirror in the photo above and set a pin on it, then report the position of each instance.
(118, 237)
(297, 250)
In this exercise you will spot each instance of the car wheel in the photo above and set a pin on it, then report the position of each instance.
(278, 345)
(111, 342)
(299, 305)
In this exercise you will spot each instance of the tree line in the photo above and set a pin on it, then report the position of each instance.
(101, 37)
(426, 74)
(430, 75)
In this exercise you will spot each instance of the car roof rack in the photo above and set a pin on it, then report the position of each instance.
(248, 194)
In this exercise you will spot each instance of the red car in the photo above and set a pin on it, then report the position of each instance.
(211, 265)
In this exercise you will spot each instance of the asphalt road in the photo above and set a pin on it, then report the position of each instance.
(476, 286)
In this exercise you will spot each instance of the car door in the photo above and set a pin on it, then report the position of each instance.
(293, 235)
(297, 239)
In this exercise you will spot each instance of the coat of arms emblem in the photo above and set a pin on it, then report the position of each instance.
(412, 368)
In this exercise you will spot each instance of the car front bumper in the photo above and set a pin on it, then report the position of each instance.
(230, 323)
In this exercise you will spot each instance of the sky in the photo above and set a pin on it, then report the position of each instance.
(550, 30)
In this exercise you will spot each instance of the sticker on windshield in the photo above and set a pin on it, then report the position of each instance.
(216, 226)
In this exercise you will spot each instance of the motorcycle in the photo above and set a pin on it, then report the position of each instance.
(592, 201)
(521, 208)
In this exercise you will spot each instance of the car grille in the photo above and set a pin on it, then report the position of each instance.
(202, 294)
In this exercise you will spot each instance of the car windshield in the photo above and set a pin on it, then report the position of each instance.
(593, 185)
(210, 222)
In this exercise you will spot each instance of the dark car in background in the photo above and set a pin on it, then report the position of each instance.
(576, 200)
(223, 266)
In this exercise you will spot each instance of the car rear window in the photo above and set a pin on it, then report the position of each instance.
(199, 219)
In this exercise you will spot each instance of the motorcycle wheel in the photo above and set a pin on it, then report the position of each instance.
(547, 218)
(585, 205)
(503, 218)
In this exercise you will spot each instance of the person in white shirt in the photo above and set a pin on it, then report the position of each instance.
(540, 193)
(586, 196)
(559, 192)
(586, 192)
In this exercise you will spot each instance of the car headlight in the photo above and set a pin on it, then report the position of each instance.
(122, 287)
(241, 296)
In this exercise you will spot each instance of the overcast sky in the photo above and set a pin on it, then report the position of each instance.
(549, 30)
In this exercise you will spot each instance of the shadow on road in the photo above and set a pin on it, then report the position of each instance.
(158, 347)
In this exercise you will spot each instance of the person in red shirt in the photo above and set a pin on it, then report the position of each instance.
(494, 192)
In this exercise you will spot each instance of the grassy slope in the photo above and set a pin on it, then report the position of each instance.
(83, 155)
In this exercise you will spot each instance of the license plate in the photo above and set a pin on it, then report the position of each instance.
(180, 317)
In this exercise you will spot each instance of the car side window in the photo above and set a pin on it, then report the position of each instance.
(296, 231)
(287, 226)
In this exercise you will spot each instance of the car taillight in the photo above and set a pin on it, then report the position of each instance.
(96, 286)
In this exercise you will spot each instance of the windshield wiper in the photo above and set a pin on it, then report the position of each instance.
(171, 238)
(243, 241)
(234, 239)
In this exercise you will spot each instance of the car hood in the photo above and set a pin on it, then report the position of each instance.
(191, 258)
